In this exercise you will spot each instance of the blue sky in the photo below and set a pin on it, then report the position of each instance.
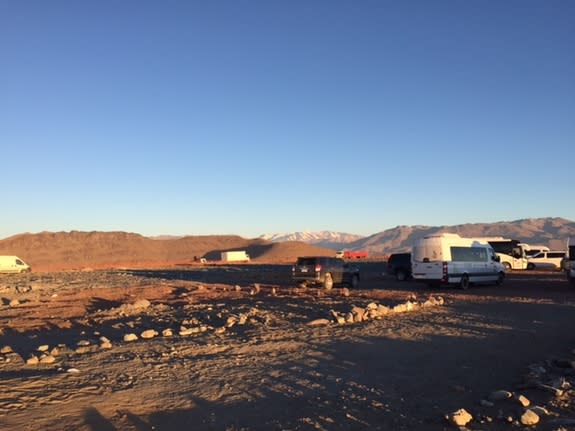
(253, 117)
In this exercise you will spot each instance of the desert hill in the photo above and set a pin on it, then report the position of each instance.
(552, 232)
(78, 250)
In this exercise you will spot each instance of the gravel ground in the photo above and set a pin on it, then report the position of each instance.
(243, 348)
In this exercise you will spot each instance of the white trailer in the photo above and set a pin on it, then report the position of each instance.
(450, 259)
(235, 256)
(10, 264)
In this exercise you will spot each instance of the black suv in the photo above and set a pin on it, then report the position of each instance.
(326, 271)
(399, 265)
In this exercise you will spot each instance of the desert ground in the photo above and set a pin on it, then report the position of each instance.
(241, 347)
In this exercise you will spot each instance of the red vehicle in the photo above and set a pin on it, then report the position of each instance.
(351, 254)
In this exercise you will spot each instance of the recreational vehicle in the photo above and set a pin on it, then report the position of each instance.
(10, 264)
(450, 259)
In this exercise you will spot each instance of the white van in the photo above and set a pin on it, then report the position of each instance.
(450, 259)
(13, 264)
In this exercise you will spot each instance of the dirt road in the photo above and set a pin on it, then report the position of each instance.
(241, 354)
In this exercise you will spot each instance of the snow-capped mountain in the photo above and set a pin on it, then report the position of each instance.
(322, 239)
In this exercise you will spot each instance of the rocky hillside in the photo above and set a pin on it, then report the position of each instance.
(552, 232)
(77, 250)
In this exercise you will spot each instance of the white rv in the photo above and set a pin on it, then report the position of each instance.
(450, 259)
(10, 264)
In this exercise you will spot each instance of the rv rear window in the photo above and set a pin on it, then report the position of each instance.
(469, 254)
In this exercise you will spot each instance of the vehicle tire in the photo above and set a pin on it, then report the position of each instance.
(530, 266)
(507, 266)
(464, 283)
(500, 279)
(328, 281)
(400, 275)
(354, 282)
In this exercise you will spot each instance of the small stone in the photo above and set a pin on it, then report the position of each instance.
(130, 337)
(6, 349)
(460, 417)
(55, 351)
(523, 400)
(149, 333)
(105, 345)
(83, 343)
(141, 304)
(32, 360)
(220, 330)
(167, 332)
(500, 395)
(104, 339)
(345, 292)
(43, 348)
(231, 321)
(14, 303)
(47, 359)
(319, 322)
(529, 417)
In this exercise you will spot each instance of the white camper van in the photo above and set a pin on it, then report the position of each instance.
(235, 256)
(13, 264)
(450, 259)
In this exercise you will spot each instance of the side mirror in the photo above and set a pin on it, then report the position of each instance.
(496, 258)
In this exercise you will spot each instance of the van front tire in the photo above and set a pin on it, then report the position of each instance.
(464, 283)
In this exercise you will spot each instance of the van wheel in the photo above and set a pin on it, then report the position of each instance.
(327, 281)
(530, 266)
(464, 283)
(500, 278)
(400, 275)
(506, 265)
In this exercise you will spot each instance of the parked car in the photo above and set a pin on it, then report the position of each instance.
(399, 266)
(546, 260)
(326, 271)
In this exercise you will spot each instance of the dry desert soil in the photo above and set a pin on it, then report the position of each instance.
(241, 347)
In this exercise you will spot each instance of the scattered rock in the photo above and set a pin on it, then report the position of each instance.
(167, 332)
(149, 333)
(14, 303)
(32, 360)
(47, 359)
(319, 322)
(523, 400)
(529, 417)
(500, 395)
(130, 337)
(460, 417)
(6, 349)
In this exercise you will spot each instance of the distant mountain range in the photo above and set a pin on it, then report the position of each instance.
(551, 231)
(328, 239)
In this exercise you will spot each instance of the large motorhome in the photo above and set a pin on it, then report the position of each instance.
(10, 264)
(450, 259)
(511, 252)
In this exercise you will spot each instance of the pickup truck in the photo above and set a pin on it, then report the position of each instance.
(326, 271)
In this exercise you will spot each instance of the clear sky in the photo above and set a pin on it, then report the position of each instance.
(252, 117)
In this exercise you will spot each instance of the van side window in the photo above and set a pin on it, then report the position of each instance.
(19, 262)
(469, 254)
